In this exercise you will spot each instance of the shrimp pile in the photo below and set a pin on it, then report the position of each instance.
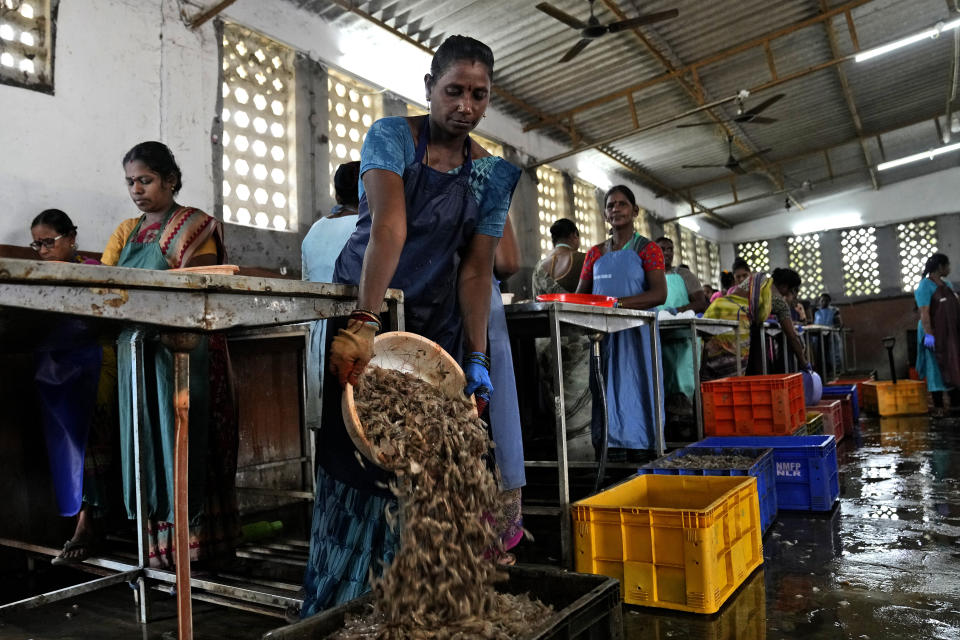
(441, 582)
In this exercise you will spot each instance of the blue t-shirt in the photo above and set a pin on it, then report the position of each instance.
(390, 145)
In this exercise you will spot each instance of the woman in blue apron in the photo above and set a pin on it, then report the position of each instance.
(432, 209)
(627, 266)
(169, 236)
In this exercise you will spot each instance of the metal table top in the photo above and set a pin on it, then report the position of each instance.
(176, 300)
(605, 319)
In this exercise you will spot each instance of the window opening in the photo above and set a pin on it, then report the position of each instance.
(352, 107)
(917, 242)
(26, 43)
(259, 164)
(757, 255)
(551, 204)
(861, 271)
(806, 260)
(586, 207)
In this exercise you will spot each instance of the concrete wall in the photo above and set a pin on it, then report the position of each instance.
(130, 70)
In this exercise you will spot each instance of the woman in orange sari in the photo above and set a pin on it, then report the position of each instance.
(169, 236)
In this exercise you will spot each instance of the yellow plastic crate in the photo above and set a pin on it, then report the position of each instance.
(676, 542)
(888, 399)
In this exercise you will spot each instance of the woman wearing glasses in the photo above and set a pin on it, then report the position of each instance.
(76, 380)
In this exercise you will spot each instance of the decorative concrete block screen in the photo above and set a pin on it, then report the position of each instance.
(259, 178)
(806, 260)
(917, 241)
(26, 43)
(757, 255)
(861, 270)
(672, 230)
(714, 263)
(686, 253)
(703, 261)
(586, 208)
(351, 108)
(552, 204)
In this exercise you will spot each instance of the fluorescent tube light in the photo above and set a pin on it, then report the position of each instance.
(932, 32)
(825, 223)
(925, 155)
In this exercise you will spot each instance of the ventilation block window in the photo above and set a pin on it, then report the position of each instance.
(352, 107)
(686, 253)
(259, 177)
(861, 271)
(643, 224)
(917, 241)
(806, 260)
(586, 208)
(26, 43)
(714, 263)
(551, 204)
(671, 230)
(757, 255)
(703, 261)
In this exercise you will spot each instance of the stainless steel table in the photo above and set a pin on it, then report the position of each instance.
(543, 319)
(182, 305)
(690, 329)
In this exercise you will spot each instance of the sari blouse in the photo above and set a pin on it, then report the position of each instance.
(121, 235)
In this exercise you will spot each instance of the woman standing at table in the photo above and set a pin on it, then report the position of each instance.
(76, 378)
(165, 236)
(432, 209)
(627, 266)
(938, 337)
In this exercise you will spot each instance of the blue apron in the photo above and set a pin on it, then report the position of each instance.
(504, 408)
(631, 413)
(441, 216)
(66, 375)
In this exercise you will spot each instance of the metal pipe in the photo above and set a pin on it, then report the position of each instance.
(204, 16)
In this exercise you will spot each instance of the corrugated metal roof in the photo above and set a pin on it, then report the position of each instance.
(889, 92)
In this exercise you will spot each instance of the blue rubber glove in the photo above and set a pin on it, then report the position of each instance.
(928, 341)
(476, 369)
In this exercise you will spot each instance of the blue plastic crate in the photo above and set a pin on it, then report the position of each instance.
(761, 469)
(839, 390)
(805, 467)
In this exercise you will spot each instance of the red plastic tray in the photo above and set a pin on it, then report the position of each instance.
(578, 298)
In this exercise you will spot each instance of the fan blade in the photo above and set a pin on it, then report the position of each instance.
(698, 124)
(755, 111)
(736, 168)
(754, 155)
(639, 21)
(703, 166)
(562, 16)
(577, 48)
(754, 119)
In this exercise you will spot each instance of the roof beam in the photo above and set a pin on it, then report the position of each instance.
(825, 151)
(349, 6)
(847, 92)
(656, 184)
(698, 94)
(699, 64)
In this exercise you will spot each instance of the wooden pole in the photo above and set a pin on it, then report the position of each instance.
(181, 344)
(205, 15)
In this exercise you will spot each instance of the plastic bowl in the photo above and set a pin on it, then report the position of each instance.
(409, 353)
(812, 387)
(578, 298)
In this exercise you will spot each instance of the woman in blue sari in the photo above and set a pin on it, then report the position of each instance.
(432, 209)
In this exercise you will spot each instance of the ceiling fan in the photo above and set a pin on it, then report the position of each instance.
(592, 29)
(750, 116)
(732, 163)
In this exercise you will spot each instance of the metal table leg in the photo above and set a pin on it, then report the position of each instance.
(697, 398)
(823, 358)
(182, 344)
(655, 356)
(739, 351)
(763, 349)
(560, 420)
(138, 406)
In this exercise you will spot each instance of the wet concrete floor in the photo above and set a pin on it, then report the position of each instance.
(884, 564)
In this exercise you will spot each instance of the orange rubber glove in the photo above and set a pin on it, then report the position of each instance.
(351, 351)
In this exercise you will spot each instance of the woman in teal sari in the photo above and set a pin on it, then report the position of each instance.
(169, 236)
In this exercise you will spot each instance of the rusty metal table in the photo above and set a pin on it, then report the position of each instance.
(543, 319)
(181, 305)
(690, 329)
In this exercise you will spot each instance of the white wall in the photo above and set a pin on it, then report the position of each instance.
(117, 83)
(130, 70)
(931, 195)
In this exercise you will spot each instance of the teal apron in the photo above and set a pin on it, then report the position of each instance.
(157, 415)
(677, 354)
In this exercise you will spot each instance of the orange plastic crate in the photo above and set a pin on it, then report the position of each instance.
(859, 382)
(832, 411)
(753, 405)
